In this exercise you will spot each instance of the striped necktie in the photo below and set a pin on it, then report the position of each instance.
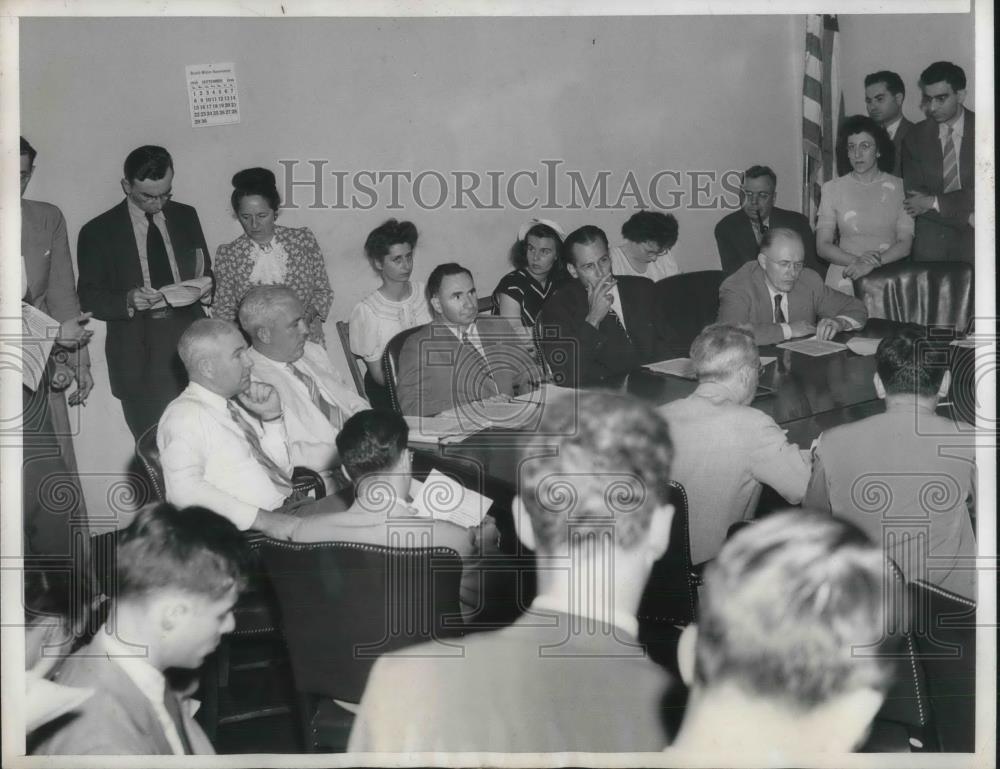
(329, 410)
(951, 180)
(275, 473)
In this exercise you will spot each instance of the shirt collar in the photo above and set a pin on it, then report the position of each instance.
(620, 619)
(957, 128)
(147, 678)
(138, 215)
(893, 126)
(774, 292)
(207, 397)
(473, 334)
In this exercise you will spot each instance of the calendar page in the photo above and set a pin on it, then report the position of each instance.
(212, 94)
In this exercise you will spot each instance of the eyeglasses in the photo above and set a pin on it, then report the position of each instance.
(786, 265)
(863, 147)
(657, 252)
(761, 196)
(151, 198)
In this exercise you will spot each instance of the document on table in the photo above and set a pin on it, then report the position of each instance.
(38, 334)
(472, 417)
(679, 367)
(432, 429)
(813, 346)
(445, 499)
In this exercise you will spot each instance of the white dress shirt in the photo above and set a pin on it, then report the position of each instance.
(207, 460)
(893, 127)
(786, 328)
(664, 266)
(311, 437)
(140, 226)
(957, 132)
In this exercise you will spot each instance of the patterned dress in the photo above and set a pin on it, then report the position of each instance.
(305, 273)
(526, 291)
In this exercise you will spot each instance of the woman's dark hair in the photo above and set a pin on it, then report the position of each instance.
(651, 227)
(519, 251)
(387, 235)
(857, 124)
(255, 181)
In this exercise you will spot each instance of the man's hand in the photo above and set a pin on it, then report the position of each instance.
(801, 328)
(84, 384)
(72, 332)
(486, 536)
(600, 300)
(917, 203)
(828, 328)
(261, 399)
(143, 298)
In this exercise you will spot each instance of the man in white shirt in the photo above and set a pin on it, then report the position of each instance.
(884, 95)
(570, 674)
(222, 441)
(781, 299)
(179, 575)
(726, 449)
(315, 398)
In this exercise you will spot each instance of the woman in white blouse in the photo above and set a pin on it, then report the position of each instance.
(645, 252)
(398, 304)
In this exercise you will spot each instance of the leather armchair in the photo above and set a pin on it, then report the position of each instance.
(928, 293)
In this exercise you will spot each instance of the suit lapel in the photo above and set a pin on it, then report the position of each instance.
(967, 155)
(765, 313)
(130, 249)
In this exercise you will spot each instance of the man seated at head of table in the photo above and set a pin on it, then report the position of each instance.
(372, 446)
(907, 477)
(772, 662)
(782, 299)
(725, 448)
(460, 358)
(569, 675)
(600, 325)
(222, 441)
(315, 398)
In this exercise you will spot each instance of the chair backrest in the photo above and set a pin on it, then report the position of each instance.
(355, 363)
(486, 305)
(390, 364)
(944, 628)
(344, 604)
(690, 301)
(928, 293)
(671, 595)
(149, 457)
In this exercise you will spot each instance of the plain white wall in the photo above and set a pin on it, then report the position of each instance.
(617, 94)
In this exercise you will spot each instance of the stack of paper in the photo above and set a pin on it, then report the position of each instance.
(38, 334)
(813, 347)
(445, 499)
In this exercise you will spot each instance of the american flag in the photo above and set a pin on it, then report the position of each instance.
(822, 108)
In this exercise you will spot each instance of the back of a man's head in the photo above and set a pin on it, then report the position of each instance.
(793, 614)
(147, 162)
(605, 464)
(261, 305)
(198, 342)
(192, 550)
(908, 363)
(371, 442)
(776, 237)
(721, 350)
(582, 236)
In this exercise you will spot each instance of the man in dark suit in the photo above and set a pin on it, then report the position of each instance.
(738, 235)
(884, 94)
(458, 358)
(600, 325)
(570, 674)
(781, 300)
(126, 255)
(939, 157)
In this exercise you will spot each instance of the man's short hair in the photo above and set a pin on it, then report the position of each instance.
(147, 162)
(856, 124)
(190, 549)
(371, 441)
(195, 343)
(582, 236)
(944, 71)
(387, 235)
(793, 610)
(904, 362)
(27, 149)
(610, 471)
(775, 234)
(260, 305)
(439, 273)
(721, 350)
(651, 226)
(893, 82)
(755, 172)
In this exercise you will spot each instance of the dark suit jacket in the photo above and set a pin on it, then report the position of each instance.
(533, 686)
(947, 235)
(580, 355)
(141, 351)
(904, 127)
(737, 244)
(744, 298)
(117, 720)
(436, 373)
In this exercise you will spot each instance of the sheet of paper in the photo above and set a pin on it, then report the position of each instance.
(543, 394)
(38, 334)
(680, 367)
(445, 499)
(186, 292)
(480, 415)
(767, 360)
(432, 429)
(813, 346)
(863, 345)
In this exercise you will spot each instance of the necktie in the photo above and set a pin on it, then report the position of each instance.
(275, 473)
(467, 344)
(618, 321)
(329, 410)
(761, 228)
(951, 180)
(779, 314)
(173, 706)
(156, 256)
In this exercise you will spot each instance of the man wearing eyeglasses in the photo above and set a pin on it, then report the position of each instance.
(127, 255)
(782, 299)
(738, 235)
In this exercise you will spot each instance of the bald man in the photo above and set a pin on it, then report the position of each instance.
(782, 299)
(222, 441)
